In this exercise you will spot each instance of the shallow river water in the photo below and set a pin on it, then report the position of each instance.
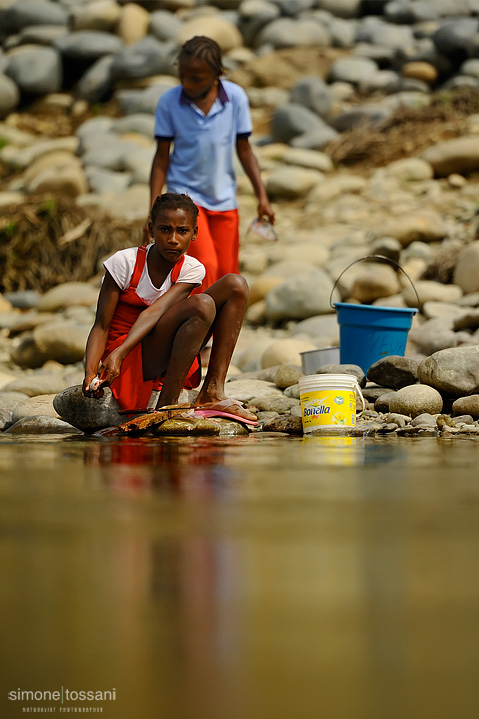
(259, 577)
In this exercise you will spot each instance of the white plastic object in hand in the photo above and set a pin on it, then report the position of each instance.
(263, 229)
(94, 384)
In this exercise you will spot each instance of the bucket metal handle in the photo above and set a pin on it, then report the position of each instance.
(380, 258)
(358, 392)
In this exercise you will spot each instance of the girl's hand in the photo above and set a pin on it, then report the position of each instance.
(86, 387)
(264, 208)
(112, 366)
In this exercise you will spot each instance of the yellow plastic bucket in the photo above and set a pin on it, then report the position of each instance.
(328, 401)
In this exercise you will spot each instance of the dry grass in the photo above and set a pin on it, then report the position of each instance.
(406, 133)
(40, 246)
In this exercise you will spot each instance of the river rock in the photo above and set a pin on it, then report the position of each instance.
(424, 420)
(416, 400)
(285, 351)
(394, 372)
(466, 271)
(225, 33)
(424, 226)
(383, 402)
(133, 23)
(51, 161)
(313, 93)
(105, 181)
(88, 45)
(285, 32)
(408, 169)
(352, 70)
(452, 371)
(452, 37)
(184, 426)
(67, 180)
(41, 424)
(62, 340)
(33, 406)
(27, 13)
(96, 84)
(423, 71)
(146, 57)
(410, 12)
(429, 290)
(96, 15)
(300, 297)
(460, 155)
(334, 187)
(433, 335)
(36, 70)
(287, 375)
(289, 424)
(67, 295)
(164, 25)
(8, 401)
(292, 120)
(292, 182)
(9, 96)
(38, 383)
(87, 413)
(373, 282)
(315, 139)
(245, 389)
(467, 405)
(349, 369)
(324, 329)
(279, 405)
(310, 159)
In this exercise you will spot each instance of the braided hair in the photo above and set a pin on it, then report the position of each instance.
(204, 48)
(174, 201)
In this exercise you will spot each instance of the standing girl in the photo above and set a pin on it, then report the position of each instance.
(148, 330)
(207, 119)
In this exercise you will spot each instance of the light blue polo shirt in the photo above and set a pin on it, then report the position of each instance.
(201, 163)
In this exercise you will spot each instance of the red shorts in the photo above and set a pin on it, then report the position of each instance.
(217, 244)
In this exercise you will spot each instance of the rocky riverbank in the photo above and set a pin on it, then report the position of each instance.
(366, 122)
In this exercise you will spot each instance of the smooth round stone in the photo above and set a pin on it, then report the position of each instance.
(415, 400)
(41, 425)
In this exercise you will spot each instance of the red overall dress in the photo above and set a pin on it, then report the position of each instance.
(129, 388)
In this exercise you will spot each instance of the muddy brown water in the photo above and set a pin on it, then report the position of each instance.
(259, 577)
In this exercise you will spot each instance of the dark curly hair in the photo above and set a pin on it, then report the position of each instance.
(173, 201)
(206, 49)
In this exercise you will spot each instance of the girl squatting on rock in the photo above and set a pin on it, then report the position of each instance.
(149, 328)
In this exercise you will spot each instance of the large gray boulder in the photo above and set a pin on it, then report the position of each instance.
(87, 413)
(453, 371)
(9, 96)
(36, 70)
(292, 120)
(27, 13)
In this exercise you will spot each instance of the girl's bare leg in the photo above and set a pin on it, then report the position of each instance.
(172, 346)
(230, 294)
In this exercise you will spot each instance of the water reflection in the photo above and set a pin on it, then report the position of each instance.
(261, 578)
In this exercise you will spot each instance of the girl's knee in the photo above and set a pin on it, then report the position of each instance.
(236, 285)
(203, 307)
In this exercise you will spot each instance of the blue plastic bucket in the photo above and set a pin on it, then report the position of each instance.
(368, 333)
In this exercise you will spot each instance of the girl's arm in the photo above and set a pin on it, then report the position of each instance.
(145, 322)
(159, 169)
(251, 167)
(96, 343)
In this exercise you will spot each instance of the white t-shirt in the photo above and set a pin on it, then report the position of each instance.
(122, 263)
